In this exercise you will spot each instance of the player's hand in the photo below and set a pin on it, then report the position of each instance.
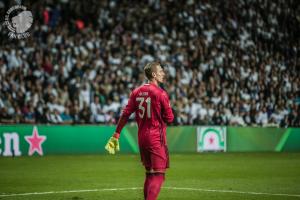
(113, 145)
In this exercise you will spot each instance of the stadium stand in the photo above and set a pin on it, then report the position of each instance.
(228, 62)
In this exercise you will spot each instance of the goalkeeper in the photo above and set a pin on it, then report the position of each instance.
(152, 111)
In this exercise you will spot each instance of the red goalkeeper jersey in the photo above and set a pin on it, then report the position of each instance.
(152, 111)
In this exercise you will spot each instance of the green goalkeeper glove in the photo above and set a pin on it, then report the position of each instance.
(112, 145)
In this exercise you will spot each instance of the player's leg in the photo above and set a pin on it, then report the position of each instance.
(159, 163)
(145, 158)
(147, 182)
(156, 180)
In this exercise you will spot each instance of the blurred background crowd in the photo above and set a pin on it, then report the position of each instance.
(228, 62)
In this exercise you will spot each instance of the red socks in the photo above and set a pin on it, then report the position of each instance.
(152, 185)
(146, 184)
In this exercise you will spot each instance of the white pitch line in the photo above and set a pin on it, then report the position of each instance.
(139, 188)
(233, 191)
(68, 191)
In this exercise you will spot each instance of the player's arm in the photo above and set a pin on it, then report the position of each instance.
(128, 110)
(167, 113)
(113, 143)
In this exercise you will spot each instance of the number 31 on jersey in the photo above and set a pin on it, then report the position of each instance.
(142, 108)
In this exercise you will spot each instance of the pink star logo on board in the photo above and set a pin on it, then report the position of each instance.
(35, 141)
(211, 140)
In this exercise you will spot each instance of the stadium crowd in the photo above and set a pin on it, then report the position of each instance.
(228, 62)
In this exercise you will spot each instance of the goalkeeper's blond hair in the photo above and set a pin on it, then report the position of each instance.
(150, 68)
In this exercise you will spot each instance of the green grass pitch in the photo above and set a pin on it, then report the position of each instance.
(224, 176)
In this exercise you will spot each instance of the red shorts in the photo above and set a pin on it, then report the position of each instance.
(156, 158)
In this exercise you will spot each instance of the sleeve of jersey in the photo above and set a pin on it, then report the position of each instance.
(128, 110)
(167, 114)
